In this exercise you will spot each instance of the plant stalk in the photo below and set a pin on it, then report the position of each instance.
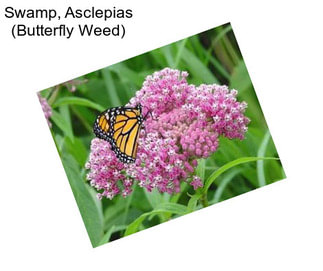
(53, 96)
(204, 200)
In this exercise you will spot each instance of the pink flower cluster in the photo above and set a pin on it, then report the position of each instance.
(46, 108)
(185, 124)
(106, 170)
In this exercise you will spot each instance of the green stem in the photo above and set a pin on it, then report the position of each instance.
(53, 96)
(204, 200)
(129, 199)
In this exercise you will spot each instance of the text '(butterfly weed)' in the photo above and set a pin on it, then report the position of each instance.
(184, 125)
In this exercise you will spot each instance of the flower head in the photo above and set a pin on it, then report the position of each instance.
(185, 125)
(106, 170)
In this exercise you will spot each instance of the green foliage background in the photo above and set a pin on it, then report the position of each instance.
(237, 167)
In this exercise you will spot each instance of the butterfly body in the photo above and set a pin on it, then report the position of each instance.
(120, 126)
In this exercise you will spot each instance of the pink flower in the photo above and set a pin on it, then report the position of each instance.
(106, 170)
(185, 125)
(196, 183)
(46, 108)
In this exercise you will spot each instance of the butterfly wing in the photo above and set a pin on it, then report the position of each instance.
(102, 126)
(126, 129)
(120, 126)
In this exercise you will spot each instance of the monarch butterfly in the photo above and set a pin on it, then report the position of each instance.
(120, 126)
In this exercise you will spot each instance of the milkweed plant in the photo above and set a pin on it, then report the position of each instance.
(185, 124)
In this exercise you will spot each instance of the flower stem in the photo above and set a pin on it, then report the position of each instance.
(53, 95)
(204, 200)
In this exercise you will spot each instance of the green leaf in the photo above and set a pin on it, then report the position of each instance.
(168, 55)
(128, 204)
(62, 124)
(260, 163)
(158, 58)
(229, 165)
(107, 235)
(89, 207)
(240, 79)
(174, 198)
(223, 184)
(114, 214)
(180, 47)
(218, 66)
(200, 170)
(85, 116)
(65, 113)
(77, 149)
(222, 34)
(127, 74)
(95, 90)
(193, 202)
(106, 238)
(200, 192)
(168, 207)
(234, 54)
(78, 101)
(110, 87)
(174, 208)
(59, 141)
(197, 68)
(154, 197)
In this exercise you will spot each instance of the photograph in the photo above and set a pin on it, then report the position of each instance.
(161, 135)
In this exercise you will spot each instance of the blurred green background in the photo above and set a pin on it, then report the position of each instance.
(209, 57)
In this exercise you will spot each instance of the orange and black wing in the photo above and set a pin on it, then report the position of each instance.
(126, 129)
(120, 126)
(102, 126)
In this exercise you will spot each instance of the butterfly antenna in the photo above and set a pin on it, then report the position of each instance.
(149, 112)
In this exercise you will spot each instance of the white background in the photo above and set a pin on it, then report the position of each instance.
(278, 227)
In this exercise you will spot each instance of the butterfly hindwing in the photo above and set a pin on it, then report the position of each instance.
(102, 126)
